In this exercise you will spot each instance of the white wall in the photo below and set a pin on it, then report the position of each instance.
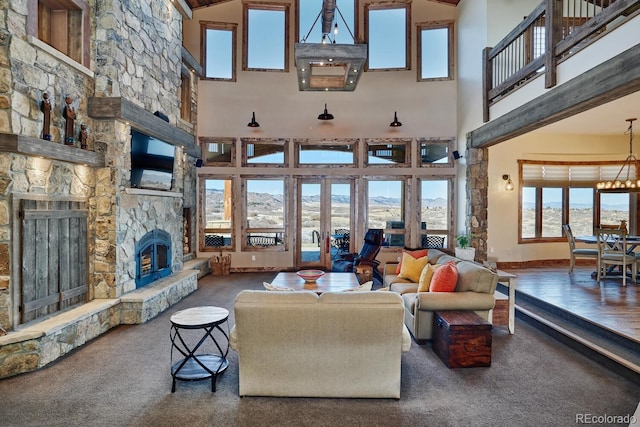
(426, 109)
(503, 205)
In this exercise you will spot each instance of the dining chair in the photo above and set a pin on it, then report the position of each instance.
(577, 252)
(612, 250)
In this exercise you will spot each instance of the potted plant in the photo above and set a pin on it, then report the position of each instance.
(464, 250)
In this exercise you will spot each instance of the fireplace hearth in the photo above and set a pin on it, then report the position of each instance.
(153, 257)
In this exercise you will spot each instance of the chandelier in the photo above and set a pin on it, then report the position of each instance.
(627, 178)
(329, 66)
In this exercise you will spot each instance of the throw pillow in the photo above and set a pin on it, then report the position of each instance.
(270, 287)
(366, 286)
(426, 276)
(417, 253)
(445, 278)
(412, 267)
(385, 289)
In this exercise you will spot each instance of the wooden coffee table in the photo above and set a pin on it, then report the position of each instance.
(330, 282)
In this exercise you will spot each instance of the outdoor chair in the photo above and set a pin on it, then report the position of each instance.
(432, 242)
(612, 250)
(342, 240)
(367, 256)
(577, 252)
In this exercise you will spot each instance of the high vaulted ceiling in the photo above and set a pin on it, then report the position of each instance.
(195, 4)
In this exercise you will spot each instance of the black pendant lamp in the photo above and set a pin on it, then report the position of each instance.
(395, 123)
(253, 123)
(326, 115)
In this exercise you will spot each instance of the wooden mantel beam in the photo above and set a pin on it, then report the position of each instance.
(116, 108)
(613, 79)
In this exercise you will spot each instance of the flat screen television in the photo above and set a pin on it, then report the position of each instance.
(151, 162)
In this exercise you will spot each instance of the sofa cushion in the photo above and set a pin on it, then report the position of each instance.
(476, 278)
(390, 279)
(404, 287)
(445, 278)
(426, 276)
(261, 297)
(411, 267)
(416, 253)
(360, 298)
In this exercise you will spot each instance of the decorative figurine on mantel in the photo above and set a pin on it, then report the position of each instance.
(45, 107)
(83, 136)
(69, 114)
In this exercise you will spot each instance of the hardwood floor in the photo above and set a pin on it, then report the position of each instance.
(607, 304)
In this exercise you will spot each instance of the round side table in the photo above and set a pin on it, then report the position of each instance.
(208, 357)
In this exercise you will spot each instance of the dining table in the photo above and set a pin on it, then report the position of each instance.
(632, 243)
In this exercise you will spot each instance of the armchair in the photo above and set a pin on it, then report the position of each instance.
(372, 243)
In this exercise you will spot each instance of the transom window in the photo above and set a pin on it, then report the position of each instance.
(326, 152)
(388, 35)
(435, 152)
(218, 50)
(218, 151)
(435, 50)
(266, 152)
(266, 35)
(387, 152)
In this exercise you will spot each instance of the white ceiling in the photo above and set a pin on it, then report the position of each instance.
(605, 119)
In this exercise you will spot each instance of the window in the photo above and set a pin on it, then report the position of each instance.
(326, 153)
(265, 214)
(436, 210)
(435, 51)
(393, 153)
(312, 33)
(388, 36)
(435, 152)
(264, 152)
(62, 25)
(266, 34)
(556, 193)
(386, 209)
(218, 50)
(185, 96)
(217, 215)
(218, 151)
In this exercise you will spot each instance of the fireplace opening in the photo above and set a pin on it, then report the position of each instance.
(153, 257)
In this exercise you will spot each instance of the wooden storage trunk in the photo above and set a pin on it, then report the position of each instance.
(462, 339)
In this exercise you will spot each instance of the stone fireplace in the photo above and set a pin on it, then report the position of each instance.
(153, 257)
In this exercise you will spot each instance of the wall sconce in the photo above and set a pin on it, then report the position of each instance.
(253, 123)
(325, 115)
(395, 123)
(509, 184)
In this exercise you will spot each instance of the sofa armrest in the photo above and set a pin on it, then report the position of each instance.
(433, 301)
(389, 268)
(233, 338)
(406, 339)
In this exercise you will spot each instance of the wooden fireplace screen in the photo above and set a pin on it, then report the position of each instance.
(53, 256)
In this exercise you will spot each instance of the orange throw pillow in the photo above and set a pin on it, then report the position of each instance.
(418, 253)
(445, 278)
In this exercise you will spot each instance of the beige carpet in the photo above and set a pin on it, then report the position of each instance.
(122, 379)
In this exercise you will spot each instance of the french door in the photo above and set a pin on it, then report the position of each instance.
(325, 221)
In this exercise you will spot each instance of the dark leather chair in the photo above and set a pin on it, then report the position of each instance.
(367, 255)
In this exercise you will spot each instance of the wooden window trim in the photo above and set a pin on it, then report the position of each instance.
(224, 140)
(450, 147)
(332, 142)
(246, 6)
(246, 230)
(434, 25)
(257, 141)
(221, 26)
(396, 4)
(381, 141)
(203, 217)
(78, 39)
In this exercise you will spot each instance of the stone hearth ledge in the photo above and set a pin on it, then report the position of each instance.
(40, 343)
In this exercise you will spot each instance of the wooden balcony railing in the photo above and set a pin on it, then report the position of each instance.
(555, 30)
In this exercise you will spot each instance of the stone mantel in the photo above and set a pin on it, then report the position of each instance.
(103, 108)
(29, 146)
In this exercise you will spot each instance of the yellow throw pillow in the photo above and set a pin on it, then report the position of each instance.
(426, 276)
(412, 267)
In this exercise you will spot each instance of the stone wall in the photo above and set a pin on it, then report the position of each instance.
(139, 53)
(477, 193)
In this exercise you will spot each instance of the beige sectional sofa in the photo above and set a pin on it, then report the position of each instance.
(474, 291)
(338, 344)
